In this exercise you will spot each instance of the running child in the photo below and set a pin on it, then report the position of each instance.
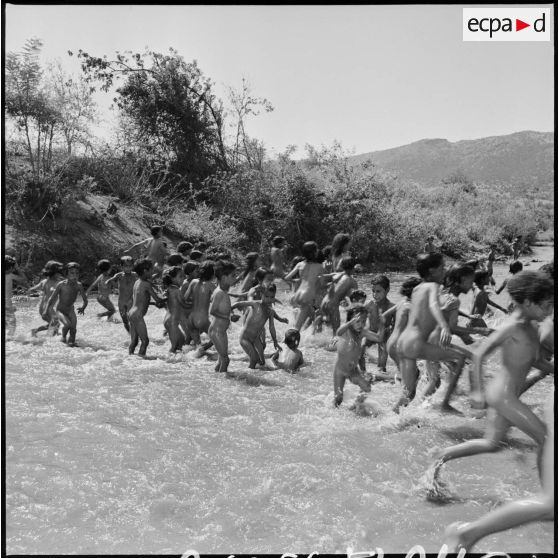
(11, 276)
(481, 300)
(52, 273)
(143, 291)
(172, 280)
(533, 297)
(125, 280)
(291, 358)
(278, 256)
(490, 259)
(191, 271)
(340, 248)
(259, 313)
(154, 247)
(220, 311)
(66, 293)
(248, 275)
(104, 290)
(350, 336)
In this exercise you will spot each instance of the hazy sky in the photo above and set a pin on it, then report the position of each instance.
(372, 77)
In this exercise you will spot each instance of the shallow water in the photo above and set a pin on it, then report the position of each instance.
(107, 453)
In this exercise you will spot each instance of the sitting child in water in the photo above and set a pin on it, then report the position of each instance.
(533, 297)
(52, 276)
(289, 359)
(125, 280)
(104, 290)
(350, 335)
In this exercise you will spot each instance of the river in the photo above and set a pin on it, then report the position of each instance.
(108, 453)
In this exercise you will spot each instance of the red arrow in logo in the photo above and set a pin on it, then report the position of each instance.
(519, 25)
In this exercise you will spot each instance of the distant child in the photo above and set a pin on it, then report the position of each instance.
(481, 300)
(220, 312)
(425, 314)
(125, 280)
(516, 247)
(350, 336)
(533, 296)
(327, 263)
(248, 275)
(191, 271)
(357, 297)
(384, 327)
(184, 248)
(260, 312)
(154, 247)
(200, 290)
(172, 280)
(340, 248)
(278, 256)
(66, 293)
(175, 259)
(295, 281)
(104, 290)
(515, 267)
(143, 291)
(429, 247)
(289, 359)
(309, 272)
(196, 256)
(52, 273)
(11, 276)
(490, 259)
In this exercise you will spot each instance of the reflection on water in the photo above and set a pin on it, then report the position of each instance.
(108, 453)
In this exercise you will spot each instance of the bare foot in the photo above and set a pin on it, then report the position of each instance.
(447, 408)
(454, 537)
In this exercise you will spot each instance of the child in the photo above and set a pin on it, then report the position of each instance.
(295, 282)
(175, 259)
(309, 272)
(384, 327)
(196, 256)
(248, 276)
(533, 296)
(350, 336)
(490, 259)
(11, 276)
(291, 358)
(184, 248)
(172, 280)
(53, 275)
(66, 293)
(340, 248)
(341, 287)
(155, 249)
(250, 336)
(278, 256)
(515, 267)
(401, 310)
(424, 315)
(357, 297)
(220, 310)
(327, 263)
(516, 247)
(104, 290)
(481, 300)
(200, 290)
(142, 292)
(191, 271)
(429, 247)
(126, 280)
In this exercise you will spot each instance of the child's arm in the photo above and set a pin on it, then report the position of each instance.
(84, 298)
(391, 310)
(371, 335)
(188, 292)
(445, 333)
(279, 319)
(113, 278)
(344, 327)
(90, 288)
(154, 294)
(40, 285)
(497, 306)
(273, 333)
(501, 287)
(293, 273)
(461, 313)
(140, 243)
(244, 304)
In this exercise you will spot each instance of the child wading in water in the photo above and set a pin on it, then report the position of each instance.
(172, 280)
(142, 292)
(424, 316)
(220, 311)
(309, 272)
(66, 293)
(278, 256)
(11, 276)
(481, 300)
(53, 275)
(259, 313)
(515, 267)
(125, 280)
(533, 297)
(350, 336)
(291, 357)
(103, 298)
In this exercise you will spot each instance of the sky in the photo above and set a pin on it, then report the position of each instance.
(370, 77)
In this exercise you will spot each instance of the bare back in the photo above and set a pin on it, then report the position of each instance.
(141, 293)
(309, 273)
(421, 320)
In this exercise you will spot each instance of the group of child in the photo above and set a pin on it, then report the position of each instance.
(420, 326)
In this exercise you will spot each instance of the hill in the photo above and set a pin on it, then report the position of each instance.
(523, 158)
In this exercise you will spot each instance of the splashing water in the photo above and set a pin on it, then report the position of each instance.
(108, 453)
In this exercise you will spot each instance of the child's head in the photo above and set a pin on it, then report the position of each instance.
(326, 250)
(482, 278)
(340, 243)
(268, 295)
(460, 276)
(207, 271)
(292, 339)
(473, 263)
(264, 276)
(357, 297)
(174, 260)
(72, 270)
(357, 311)
(380, 287)
(548, 269)
(52, 268)
(201, 246)
(196, 255)
(127, 263)
(431, 266)
(156, 231)
(408, 286)
(143, 267)
(516, 266)
(9, 263)
(184, 247)
(191, 269)
(252, 261)
(223, 256)
(348, 264)
(534, 289)
(173, 276)
(278, 241)
(103, 266)
(225, 270)
(310, 251)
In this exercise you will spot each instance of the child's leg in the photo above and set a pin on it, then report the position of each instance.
(456, 367)
(433, 374)
(250, 350)
(65, 321)
(176, 337)
(123, 309)
(303, 314)
(141, 329)
(221, 342)
(134, 338)
(258, 345)
(382, 356)
(10, 321)
(73, 327)
(106, 303)
(359, 380)
(335, 319)
(338, 384)
(409, 378)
